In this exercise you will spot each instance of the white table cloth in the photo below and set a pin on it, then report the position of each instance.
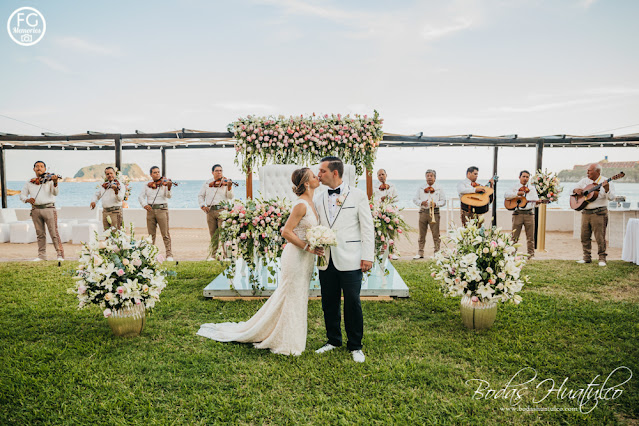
(630, 252)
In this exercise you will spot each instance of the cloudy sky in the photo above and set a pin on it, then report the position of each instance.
(493, 67)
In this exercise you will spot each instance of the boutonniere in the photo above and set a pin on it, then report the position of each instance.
(340, 200)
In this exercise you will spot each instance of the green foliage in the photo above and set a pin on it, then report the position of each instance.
(62, 365)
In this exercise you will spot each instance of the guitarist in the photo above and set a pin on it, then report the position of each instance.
(594, 218)
(468, 186)
(524, 216)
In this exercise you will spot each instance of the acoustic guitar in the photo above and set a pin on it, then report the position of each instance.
(478, 202)
(590, 194)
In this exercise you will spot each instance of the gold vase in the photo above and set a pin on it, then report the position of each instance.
(128, 322)
(478, 315)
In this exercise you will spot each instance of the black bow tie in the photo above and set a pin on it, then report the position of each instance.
(334, 191)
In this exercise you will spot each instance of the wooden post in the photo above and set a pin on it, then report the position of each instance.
(495, 151)
(3, 178)
(369, 183)
(163, 151)
(249, 184)
(118, 152)
(540, 155)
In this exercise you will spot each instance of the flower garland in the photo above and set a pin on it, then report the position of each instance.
(547, 186)
(251, 231)
(483, 264)
(119, 273)
(305, 140)
(389, 225)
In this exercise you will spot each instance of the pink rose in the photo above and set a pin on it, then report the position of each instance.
(120, 272)
(120, 290)
(159, 258)
(107, 313)
(137, 262)
(474, 299)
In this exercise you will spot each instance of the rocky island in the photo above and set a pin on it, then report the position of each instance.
(95, 173)
(609, 168)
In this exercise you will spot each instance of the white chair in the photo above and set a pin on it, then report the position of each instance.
(8, 216)
(22, 233)
(5, 232)
(275, 179)
(83, 232)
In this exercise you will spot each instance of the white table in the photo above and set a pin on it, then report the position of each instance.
(630, 251)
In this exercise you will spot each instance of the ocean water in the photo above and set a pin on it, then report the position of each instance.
(185, 195)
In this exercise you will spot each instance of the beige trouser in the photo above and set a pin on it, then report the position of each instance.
(424, 224)
(159, 217)
(527, 220)
(215, 223)
(594, 222)
(116, 219)
(48, 217)
(467, 216)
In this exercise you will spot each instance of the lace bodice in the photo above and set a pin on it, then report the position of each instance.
(309, 220)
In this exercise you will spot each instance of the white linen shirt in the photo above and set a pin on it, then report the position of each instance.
(108, 197)
(439, 197)
(530, 197)
(148, 195)
(391, 192)
(465, 187)
(602, 199)
(209, 196)
(46, 195)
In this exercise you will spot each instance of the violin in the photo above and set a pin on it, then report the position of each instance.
(163, 181)
(44, 178)
(429, 190)
(113, 183)
(222, 182)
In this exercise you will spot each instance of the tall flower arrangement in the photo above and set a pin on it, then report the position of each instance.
(305, 140)
(389, 225)
(547, 186)
(119, 272)
(482, 264)
(251, 231)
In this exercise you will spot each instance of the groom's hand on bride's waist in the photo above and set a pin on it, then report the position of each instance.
(366, 265)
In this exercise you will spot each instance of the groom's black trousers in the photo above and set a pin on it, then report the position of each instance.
(332, 283)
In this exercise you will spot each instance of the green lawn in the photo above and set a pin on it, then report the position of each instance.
(61, 365)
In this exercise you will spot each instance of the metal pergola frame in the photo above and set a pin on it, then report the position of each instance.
(189, 139)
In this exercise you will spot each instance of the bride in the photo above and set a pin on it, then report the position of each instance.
(280, 325)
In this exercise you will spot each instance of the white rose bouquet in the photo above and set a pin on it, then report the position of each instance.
(547, 186)
(321, 236)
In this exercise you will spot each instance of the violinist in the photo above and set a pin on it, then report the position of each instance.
(213, 192)
(111, 193)
(385, 191)
(524, 216)
(429, 198)
(40, 192)
(154, 198)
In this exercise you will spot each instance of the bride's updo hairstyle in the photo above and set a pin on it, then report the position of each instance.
(299, 178)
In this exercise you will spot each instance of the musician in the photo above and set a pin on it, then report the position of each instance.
(213, 192)
(429, 198)
(111, 193)
(154, 198)
(524, 216)
(40, 192)
(594, 218)
(385, 191)
(469, 186)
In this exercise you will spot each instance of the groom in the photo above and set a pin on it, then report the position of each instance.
(347, 212)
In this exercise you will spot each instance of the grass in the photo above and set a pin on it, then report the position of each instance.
(61, 365)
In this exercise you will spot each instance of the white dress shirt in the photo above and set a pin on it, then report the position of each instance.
(108, 197)
(531, 196)
(602, 199)
(209, 196)
(391, 192)
(149, 194)
(465, 187)
(46, 195)
(333, 208)
(439, 197)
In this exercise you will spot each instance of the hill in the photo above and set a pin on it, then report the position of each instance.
(609, 168)
(95, 173)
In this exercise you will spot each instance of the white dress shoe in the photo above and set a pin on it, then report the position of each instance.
(602, 263)
(418, 257)
(582, 261)
(169, 259)
(60, 259)
(358, 356)
(37, 259)
(327, 347)
(210, 259)
(395, 257)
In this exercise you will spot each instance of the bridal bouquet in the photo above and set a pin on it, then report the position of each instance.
(321, 236)
(119, 272)
(483, 264)
(389, 225)
(547, 186)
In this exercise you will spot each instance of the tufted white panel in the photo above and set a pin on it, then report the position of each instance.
(275, 179)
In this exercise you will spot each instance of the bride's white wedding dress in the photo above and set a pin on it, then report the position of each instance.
(281, 323)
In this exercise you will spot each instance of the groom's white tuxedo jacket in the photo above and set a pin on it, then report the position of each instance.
(353, 225)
